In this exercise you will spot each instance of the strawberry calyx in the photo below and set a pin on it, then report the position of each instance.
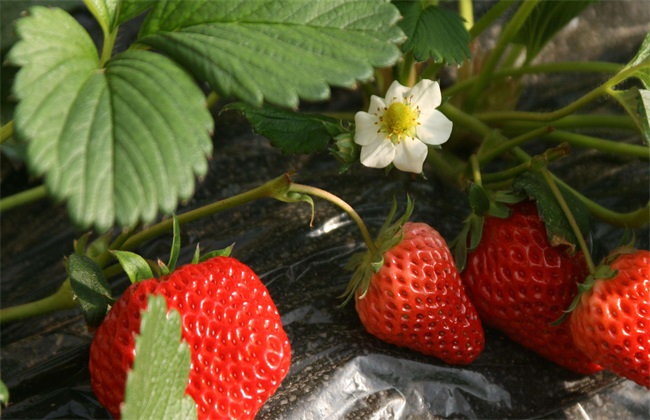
(365, 264)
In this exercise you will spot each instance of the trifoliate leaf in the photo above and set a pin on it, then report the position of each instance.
(548, 17)
(135, 267)
(433, 32)
(90, 288)
(557, 225)
(289, 131)
(155, 387)
(120, 143)
(272, 50)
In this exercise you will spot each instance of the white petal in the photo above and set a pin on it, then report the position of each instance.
(425, 94)
(378, 154)
(366, 127)
(410, 155)
(434, 128)
(377, 105)
(396, 92)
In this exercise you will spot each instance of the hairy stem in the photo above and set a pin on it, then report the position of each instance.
(22, 198)
(62, 299)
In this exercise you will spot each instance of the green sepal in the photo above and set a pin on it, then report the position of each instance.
(176, 244)
(365, 264)
(91, 289)
(602, 272)
(80, 243)
(479, 200)
(135, 267)
(225, 252)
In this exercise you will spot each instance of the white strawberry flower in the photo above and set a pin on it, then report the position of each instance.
(399, 128)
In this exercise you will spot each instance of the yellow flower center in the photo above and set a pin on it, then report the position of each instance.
(399, 120)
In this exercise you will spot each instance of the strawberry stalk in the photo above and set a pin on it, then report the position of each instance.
(281, 188)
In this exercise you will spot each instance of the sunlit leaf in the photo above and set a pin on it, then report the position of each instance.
(272, 50)
(119, 144)
(155, 387)
(433, 32)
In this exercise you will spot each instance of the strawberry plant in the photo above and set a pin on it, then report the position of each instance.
(112, 111)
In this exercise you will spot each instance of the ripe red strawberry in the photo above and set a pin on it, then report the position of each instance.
(240, 352)
(416, 299)
(611, 322)
(521, 284)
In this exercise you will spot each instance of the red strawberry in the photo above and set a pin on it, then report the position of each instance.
(240, 352)
(611, 322)
(416, 299)
(521, 284)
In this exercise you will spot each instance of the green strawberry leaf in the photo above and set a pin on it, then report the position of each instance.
(557, 226)
(278, 51)
(642, 60)
(289, 131)
(636, 103)
(132, 8)
(155, 387)
(4, 394)
(120, 143)
(105, 12)
(135, 267)
(545, 21)
(90, 288)
(433, 32)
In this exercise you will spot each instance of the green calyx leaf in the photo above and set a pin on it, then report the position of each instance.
(557, 225)
(245, 48)
(91, 289)
(176, 244)
(479, 200)
(120, 143)
(433, 32)
(289, 131)
(155, 387)
(225, 252)
(365, 264)
(135, 267)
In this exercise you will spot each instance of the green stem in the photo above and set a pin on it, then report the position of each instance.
(107, 47)
(604, 89)
(633, 219)
(62, 299)
(509, 31)
(466, 11)
(6, 131)
(581, 140)
(325, 195)
(514, 142)
(563, 67)
(619, 122)
(570, 218)
(489, 17)
(406, 69)
(24, 197)
(507, 175)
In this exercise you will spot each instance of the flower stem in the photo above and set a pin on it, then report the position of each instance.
(62, 299)
(489, 17)
(325, 195)
(24, 197)
(466, 11)
(509, 31)
(514, 142)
